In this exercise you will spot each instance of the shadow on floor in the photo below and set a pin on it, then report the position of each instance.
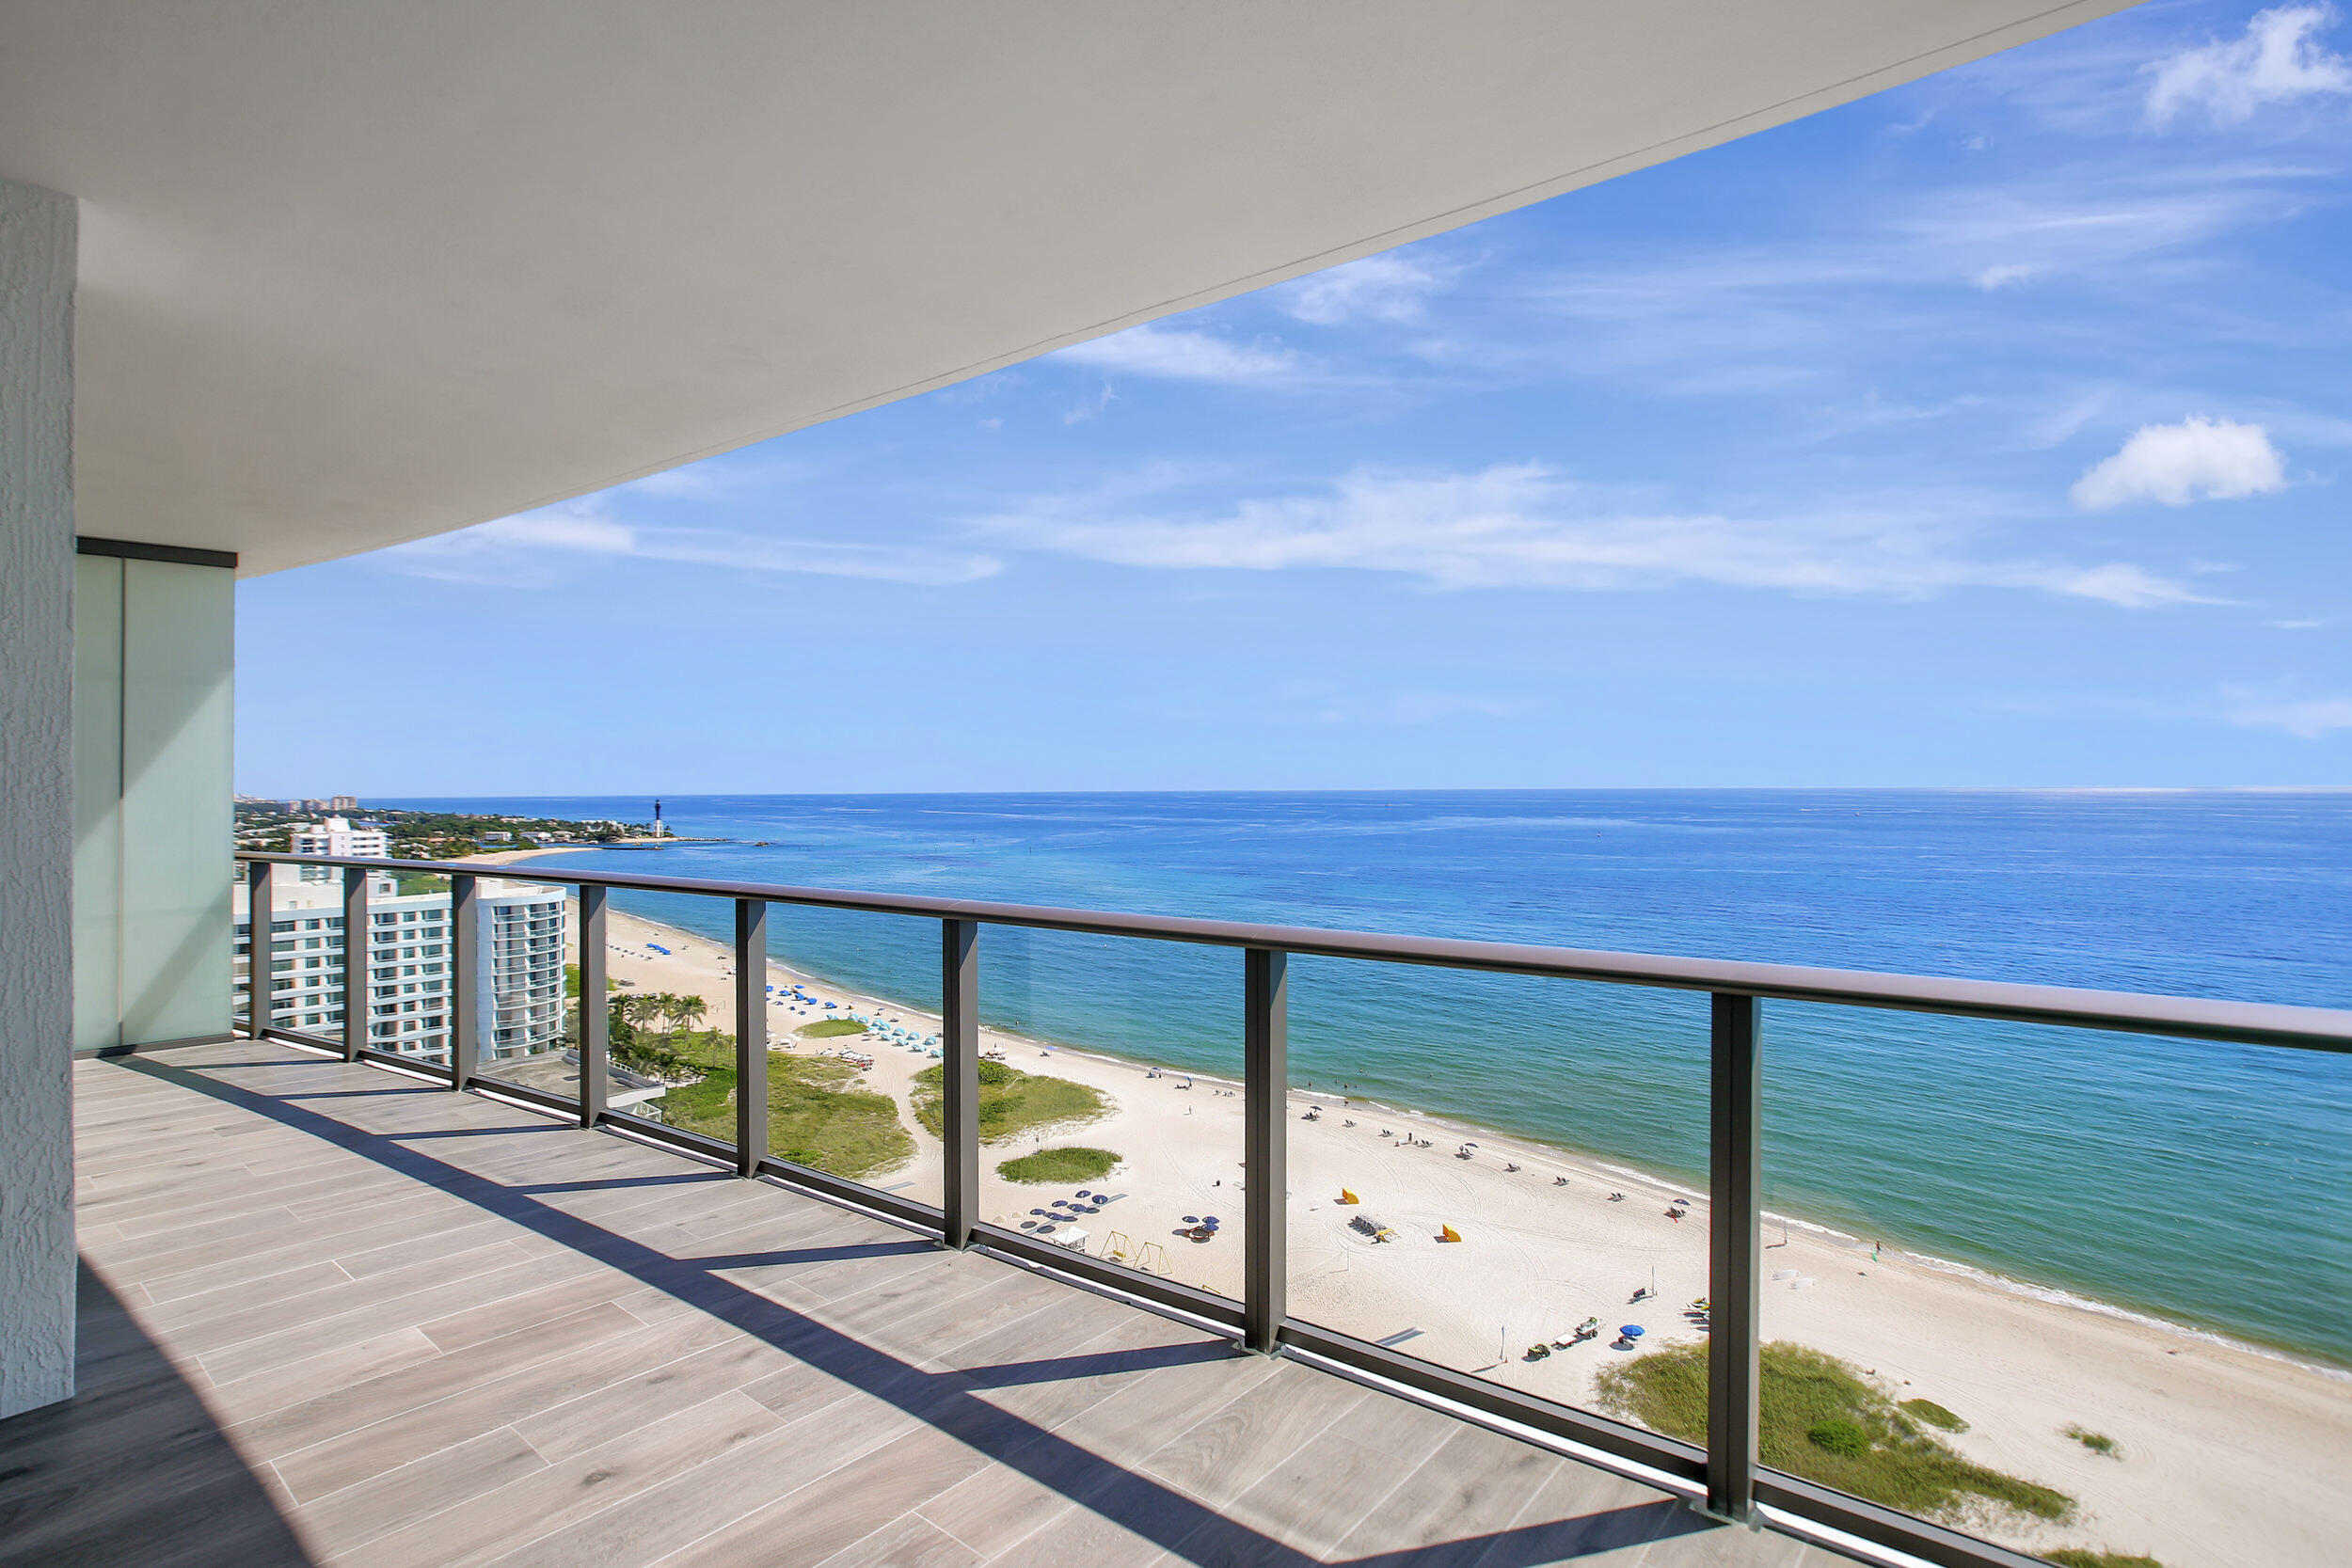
(132, 1468)
(1187, 1528)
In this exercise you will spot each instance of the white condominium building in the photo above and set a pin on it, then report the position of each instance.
(412, 962)
(337, 836)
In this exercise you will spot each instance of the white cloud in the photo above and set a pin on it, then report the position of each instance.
(2278, 62)
(1080, 413)
(1181, 355)
(2198, 459)
(2311, 717)
(491, 553)
(1522, 526)
(1391, 288)
(2004, 274)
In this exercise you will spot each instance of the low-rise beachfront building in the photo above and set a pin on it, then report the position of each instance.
(411, 959)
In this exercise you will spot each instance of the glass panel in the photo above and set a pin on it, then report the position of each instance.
(673, 1023)
(177, 827)
(97, 801)
(524, 930)
(852, 1018)
(852, 1026)
(297, 962)
(240, 962)
(411, 964)
(1503, 1176)
(1111, 1115)
(2065, 1289)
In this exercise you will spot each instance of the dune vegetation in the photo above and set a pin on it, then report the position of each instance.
(1013, 1103)
(1059, 1166)
(1824, 1420)
(817, 1114)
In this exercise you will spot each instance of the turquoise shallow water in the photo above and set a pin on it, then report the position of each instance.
(2210, 1184)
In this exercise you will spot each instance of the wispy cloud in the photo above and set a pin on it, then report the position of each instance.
(1522, 525)
(496, 552)
(1079, 413)
(2307, 717)
(1390, 288)
(2278, 60)
(2198, 459)
(1411, 708)
(1182, 354)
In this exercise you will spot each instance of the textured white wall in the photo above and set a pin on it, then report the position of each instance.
(37, 240)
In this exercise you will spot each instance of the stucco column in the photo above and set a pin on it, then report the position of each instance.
(37, 236)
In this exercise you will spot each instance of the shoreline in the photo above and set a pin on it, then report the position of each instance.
(1593, 1164)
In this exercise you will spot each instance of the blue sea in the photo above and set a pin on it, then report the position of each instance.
(2210, 1185)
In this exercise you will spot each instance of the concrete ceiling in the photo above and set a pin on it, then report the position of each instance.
(354, 272)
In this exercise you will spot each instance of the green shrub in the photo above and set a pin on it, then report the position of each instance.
(816, 1118)
(2097, 1441)
(1805, 1392)
(1061, 1166)
(1933, 1413)
(2079, 1557)
(826, 1027)
(1012, 1103)
(1838, 1435)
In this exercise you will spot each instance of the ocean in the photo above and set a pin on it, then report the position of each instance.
(2209, 1185)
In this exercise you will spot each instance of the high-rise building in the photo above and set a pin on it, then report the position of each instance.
(344, 802)
(411, 961)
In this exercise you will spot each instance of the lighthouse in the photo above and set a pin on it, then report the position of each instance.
(658, 830)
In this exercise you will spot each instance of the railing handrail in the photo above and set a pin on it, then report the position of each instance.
(2129, 1012)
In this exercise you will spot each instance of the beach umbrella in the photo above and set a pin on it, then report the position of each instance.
(1632, 1331)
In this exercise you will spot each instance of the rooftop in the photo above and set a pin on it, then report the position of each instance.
(346, 1315)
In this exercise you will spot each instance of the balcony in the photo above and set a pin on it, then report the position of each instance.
(1280, 1283)
(346, 1315)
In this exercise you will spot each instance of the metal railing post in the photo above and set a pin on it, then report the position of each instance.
(357, 933)
(466, 997)
(1734, 1256)
(959, 1076)
(1265, 1085)
(751, 1035)
(596, 1010)
(261, 948)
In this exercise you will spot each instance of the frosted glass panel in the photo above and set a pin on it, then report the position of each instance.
(176, 830)
(97, 801)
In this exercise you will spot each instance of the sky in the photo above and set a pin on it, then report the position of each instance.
(1993, 431)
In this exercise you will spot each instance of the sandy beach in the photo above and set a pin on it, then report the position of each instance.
(2203, 1429)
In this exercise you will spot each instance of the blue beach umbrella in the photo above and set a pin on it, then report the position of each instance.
(1632, 1331)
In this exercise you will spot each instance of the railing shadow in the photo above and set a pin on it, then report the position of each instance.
(132, 1468)
(946, 1401)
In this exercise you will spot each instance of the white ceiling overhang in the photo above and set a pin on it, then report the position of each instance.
(356, 273)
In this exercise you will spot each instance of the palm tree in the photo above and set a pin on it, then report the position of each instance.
(637, 1010)
(688, 1011)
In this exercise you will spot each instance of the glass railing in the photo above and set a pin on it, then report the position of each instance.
(1184, 1111)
